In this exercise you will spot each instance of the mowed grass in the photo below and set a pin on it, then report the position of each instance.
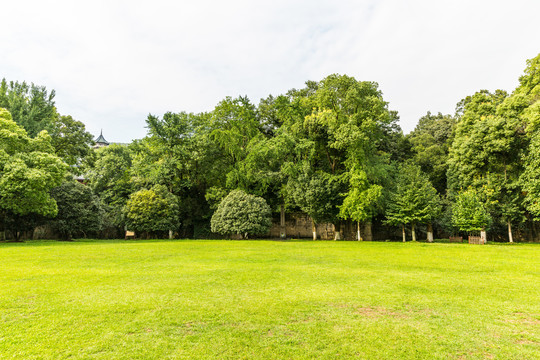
(188, 299)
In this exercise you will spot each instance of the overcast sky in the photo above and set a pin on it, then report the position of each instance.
(114, 62)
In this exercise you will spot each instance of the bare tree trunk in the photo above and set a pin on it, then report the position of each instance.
(413, 232)
(430, 233)
(170, 234)
(358, 236)
(510, 238)
(314, 229)
(283, 229)
(483, 237)
(403, 232)
(337, 231)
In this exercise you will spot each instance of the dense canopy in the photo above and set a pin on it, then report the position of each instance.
(332, 151)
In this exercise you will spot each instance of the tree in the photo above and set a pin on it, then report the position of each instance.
(469, 212)
(414, 200)
(181, 154)
(361, 200)
(487, 151)
(71, 142)
(339, 124)
(242, 213)
(31, 106)
(79, 210)
(317, 194)
(29, 169)
(152, 211)
(110, 179)
(430, 142)
(529, 179)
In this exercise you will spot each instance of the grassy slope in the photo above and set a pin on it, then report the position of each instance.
(271, 300)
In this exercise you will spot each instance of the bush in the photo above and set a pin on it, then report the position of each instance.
(152, 211)
(241, 213)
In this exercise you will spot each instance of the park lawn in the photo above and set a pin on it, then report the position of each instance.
(268, 300)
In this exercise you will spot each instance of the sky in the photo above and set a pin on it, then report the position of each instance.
(114, 62)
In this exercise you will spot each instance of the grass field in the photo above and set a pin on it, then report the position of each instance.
(268, 300)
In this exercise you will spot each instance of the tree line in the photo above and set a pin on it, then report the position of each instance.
(332, 150)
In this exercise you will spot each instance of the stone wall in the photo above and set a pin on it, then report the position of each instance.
(299, 225)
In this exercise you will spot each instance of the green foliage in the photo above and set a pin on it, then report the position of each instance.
(71, 142)
(80, 212)
(414, 200)
(110, 179)
(430, 142)
(530, 179)
(28, 170)
(361, 200)
(241, 213)
(214, 196)
(152, 210)
(180, 153)
(469, 212)
(529, 82)
(31, 106)
(318, 194)
(262, 171)
(234, 125)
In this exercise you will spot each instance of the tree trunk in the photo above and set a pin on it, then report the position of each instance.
(483, 236)
(282, 227)
(510, 238)
(314, 229)
(430, 233)
(403, 232)
(337, 231)
(170, 234)
(413, 233)
(358, 236)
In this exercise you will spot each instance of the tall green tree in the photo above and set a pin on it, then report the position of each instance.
(110, 179)
(486, 153)
(29, 169)
(413, 201)
(361, 201)
(340, 124)
(70, 140)
(469, 212)
(529, 90)
(31, 106)
(430, 143)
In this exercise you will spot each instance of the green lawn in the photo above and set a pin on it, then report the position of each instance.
(268, 300)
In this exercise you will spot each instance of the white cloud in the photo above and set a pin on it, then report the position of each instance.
(113, 62)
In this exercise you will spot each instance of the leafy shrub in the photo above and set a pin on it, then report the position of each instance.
(241, 213)
(152, 211)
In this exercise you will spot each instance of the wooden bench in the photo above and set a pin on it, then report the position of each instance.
(476, 240)
(456, 239)
(130, 234)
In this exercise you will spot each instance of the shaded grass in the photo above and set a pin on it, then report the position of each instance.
(268, 300)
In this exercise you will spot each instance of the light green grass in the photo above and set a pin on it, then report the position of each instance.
(268, 300)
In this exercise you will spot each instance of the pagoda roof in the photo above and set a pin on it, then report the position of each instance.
(101, 139)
